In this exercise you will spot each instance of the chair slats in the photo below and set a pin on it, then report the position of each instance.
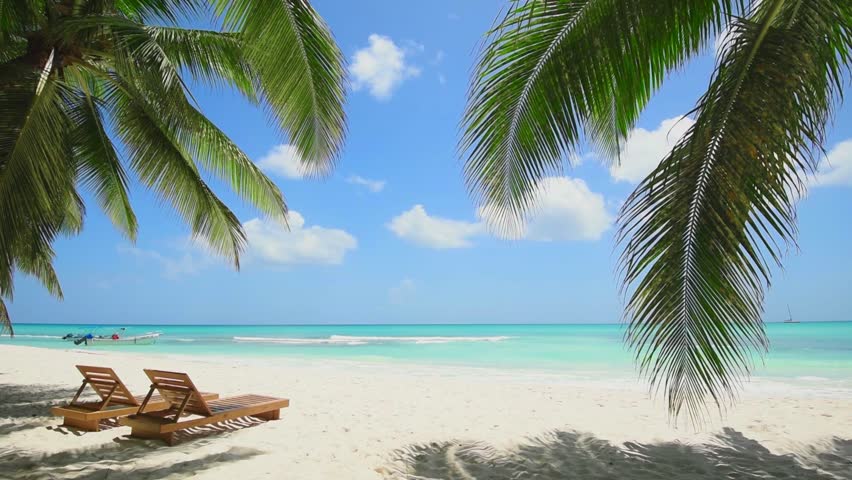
(107, 385)
(174, 387)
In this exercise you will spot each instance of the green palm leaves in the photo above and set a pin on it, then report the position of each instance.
(92, 95)
(703, 231)
(556, 70)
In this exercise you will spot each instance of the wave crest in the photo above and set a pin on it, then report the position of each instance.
(364, 340)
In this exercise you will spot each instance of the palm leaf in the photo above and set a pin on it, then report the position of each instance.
(216, 58)
(98, 164)
(704, 230)
(5, 321)
(556, 70)
(37, 173)
(166, 167)
(300, 71)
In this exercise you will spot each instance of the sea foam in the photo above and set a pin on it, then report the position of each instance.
(364, 340)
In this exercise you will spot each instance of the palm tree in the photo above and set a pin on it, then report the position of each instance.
(703, 231)
(91, 90)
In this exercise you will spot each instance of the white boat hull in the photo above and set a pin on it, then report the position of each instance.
(148, 339)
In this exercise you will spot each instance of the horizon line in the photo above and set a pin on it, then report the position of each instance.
(367, 324)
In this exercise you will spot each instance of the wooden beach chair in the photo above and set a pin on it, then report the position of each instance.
(186, 400)
(116, 400)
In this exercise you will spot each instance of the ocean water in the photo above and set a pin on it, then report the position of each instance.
(808, 350)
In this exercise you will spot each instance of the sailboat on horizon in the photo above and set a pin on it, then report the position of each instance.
(790, 316)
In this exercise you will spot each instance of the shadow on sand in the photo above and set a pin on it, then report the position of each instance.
(571, 455)
(27, 401)
(117, 460)
(28, 407)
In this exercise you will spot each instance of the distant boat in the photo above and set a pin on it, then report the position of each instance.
(147, 339)
(790, 316)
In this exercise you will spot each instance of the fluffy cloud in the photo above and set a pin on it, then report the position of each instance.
(381, 67)
(836, 169)
(374, 186)
(271, 242)
(567, 210)
(285, 161)
(417, 226)
(644, 149)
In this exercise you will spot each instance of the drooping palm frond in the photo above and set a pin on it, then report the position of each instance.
(555, 70)
(5, 321)
(300, 72)
(37, 173)
(75, 76)
(704, 230)
(98, 164)
(215, 58)
(164, 165)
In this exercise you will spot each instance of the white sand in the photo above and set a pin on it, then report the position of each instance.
(349, 421)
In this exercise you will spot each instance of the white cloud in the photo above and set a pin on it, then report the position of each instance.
(381, 67)
(271, 242)
(402, 291)
(836, 168)
(283, 160)
(566, 210)
(644, 149)
(374, 186)
(417, 226)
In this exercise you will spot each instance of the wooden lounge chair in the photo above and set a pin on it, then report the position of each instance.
(116, 400)
(186, 400)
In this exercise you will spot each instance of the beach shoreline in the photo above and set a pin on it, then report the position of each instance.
(354, 420)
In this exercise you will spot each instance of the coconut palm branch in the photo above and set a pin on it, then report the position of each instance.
(702, 233)
(94, 93)
(704, 230)
(555, 71)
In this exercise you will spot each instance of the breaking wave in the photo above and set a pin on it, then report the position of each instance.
(359, 340)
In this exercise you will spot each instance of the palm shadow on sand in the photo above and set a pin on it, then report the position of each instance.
(28, 407)
(571, 455)
(117, 460)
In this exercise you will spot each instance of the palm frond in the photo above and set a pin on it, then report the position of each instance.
(37, 172)
(704, 230)
(219, 155)
(98, 164)
(554, 71)
(300, 71)
(162, 164)
(38, 263)
(170, 11)
(215, 58)
(5, 321)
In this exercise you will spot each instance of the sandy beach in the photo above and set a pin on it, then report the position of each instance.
(366, 421)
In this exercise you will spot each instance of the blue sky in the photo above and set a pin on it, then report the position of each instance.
(392, 236)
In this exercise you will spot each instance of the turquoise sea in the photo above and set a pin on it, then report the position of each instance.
(804, 350)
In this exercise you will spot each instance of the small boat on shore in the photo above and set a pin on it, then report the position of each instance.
(116, 338)
(147, 339)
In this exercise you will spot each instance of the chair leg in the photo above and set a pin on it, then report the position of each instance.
(273, 415)
(87, 425)
(168, 438)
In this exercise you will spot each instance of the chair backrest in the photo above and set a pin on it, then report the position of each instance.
(103, 381)
(174, 387)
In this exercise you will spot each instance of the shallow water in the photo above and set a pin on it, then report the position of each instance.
(809, 351)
